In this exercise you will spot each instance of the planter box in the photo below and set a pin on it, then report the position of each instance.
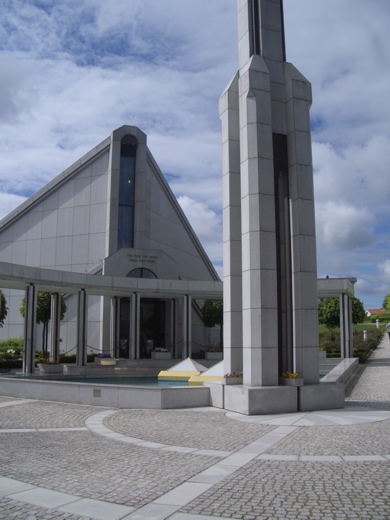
(214, 355)
(322, 354)
(161, 355)
(232, 380)
(50, 369)
(104, 361)
(285, 381)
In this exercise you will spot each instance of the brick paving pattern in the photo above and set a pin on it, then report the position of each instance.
(47, 445)
(362, 439)
(43, 414)
(200, 430)
(11, 509)
(93, 467)
(299, 491)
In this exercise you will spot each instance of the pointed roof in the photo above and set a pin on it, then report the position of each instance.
(187, 365)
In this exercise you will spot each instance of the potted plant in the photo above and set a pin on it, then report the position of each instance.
(232, 378)
(322, 353)
(49, 367)
(215, 352)
(290, 379)
(161, 353)
(104, 360)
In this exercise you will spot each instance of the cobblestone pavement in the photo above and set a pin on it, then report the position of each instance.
(65, 461)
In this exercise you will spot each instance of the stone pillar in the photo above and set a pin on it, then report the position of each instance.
(187, 326)
(114, 326)
(105, 325)
(231, 201)
(82, 325)
(346, 347)
(55, 327)
(30, 311)
(135, 303)
(259, 277)
(302, 226)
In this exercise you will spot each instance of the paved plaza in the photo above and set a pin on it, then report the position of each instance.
(63, 461)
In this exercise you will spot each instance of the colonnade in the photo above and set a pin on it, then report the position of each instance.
(82, 326)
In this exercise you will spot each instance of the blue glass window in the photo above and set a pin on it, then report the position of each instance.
(126, 192)
(141, 272)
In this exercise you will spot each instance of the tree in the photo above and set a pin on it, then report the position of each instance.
(329, 312)
(3, 309)
(44, 314)
(212, 315)
(386, 303)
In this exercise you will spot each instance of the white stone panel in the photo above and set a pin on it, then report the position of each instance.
(19, 249)
(48, 252)
(34, 226)
(33, 253)
(97, 218)
(301, 182)
(80, 244)
(100, 165)
(99, 189)
(82, 191)
(259, 327)
(49, 224)
(80, 220)
(304, 254)
(19, 229)
(302, 221)
(63, 251)
(65, 222)
(96, 247)
(66, 194)
(6, 252)
(51, 201)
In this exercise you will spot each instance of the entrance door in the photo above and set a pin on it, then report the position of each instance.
(124, 329)
(152, 326)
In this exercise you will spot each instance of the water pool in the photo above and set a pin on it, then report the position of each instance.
(127, 381)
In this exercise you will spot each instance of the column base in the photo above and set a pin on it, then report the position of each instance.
(263, 400)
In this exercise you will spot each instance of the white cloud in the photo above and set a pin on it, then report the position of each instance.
(9, 202)
(207, 225)
(72, 71)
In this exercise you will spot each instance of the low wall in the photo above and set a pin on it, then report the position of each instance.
(115, 396)
(342, 372)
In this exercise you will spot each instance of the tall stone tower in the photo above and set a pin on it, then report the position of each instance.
(270, 272)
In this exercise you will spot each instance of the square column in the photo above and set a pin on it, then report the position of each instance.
(135, 303)
(187, 326)
(259, 266)
(232, 265)
(55, 313)
(30, 329)
(82, 311)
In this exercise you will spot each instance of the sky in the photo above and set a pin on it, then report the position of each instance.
(74, 70)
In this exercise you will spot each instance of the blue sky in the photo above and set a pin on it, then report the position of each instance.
(72, 71)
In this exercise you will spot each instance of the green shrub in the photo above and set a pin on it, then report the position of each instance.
(383, 318)
(12, 342)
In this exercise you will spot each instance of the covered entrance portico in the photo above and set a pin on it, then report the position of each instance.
(170, 299)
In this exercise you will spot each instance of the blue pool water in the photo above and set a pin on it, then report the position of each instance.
(129, 381)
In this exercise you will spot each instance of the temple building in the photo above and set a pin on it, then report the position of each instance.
(112, 214)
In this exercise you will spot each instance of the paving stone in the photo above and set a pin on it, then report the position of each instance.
(203, 431)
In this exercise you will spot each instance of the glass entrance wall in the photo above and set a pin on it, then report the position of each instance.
(153, 327)
(124, 329)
